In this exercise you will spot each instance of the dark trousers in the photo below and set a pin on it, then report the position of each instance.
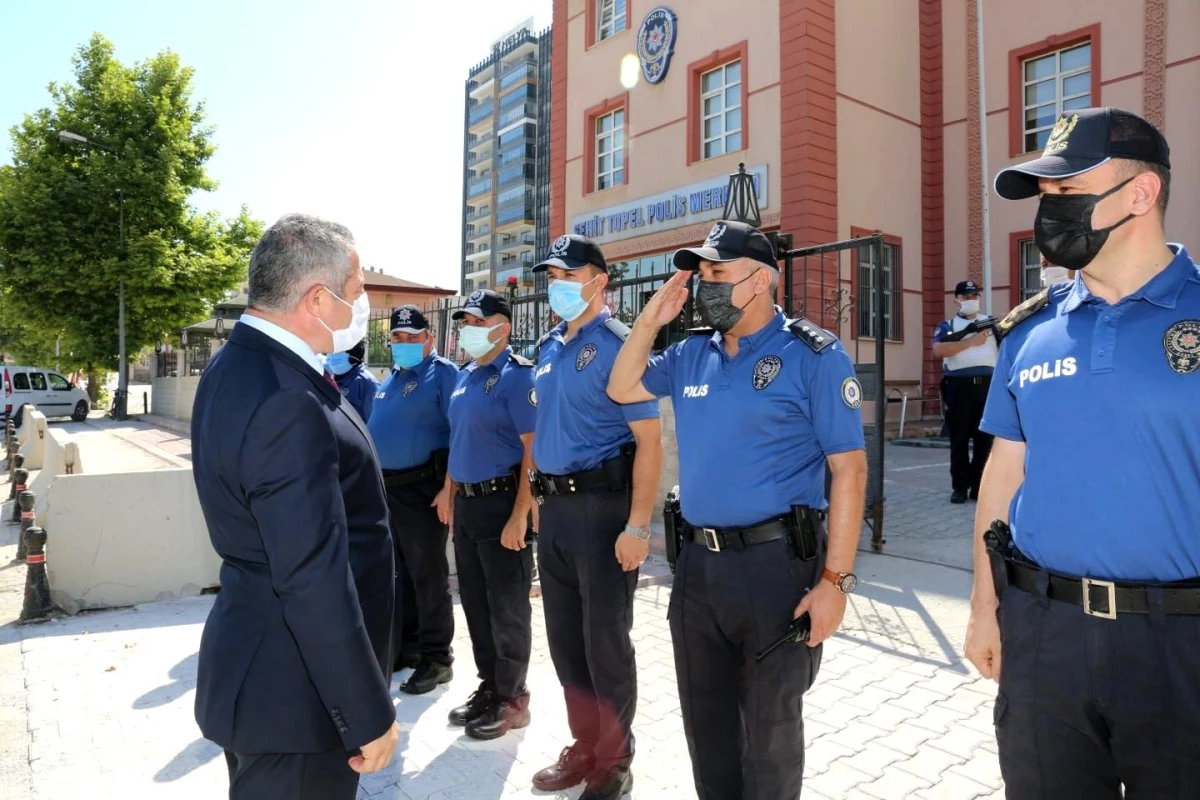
(421, 564)
(965, 399)
(742, 719)
(588, 601)
(291, 776)
(494, 583)
(1088, 704)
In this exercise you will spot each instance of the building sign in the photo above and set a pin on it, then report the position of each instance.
(687, 205)
(656, 43)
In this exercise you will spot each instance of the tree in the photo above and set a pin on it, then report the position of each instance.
(60, 262)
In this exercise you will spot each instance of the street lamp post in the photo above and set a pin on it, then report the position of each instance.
(122, 363)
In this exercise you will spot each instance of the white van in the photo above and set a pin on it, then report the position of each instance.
(49, 392)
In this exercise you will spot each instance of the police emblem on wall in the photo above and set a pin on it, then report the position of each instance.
(765, 371)
(586, 354)
(490, 383)
(409, 388)
(852, 393)
(656, 43)
(1181, 343)
(560, 246)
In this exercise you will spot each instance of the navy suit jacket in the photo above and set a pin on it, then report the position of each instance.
(296, 653)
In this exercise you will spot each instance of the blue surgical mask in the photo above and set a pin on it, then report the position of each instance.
(475, 340)
(406, 355)
(338, 363)
(566, 298)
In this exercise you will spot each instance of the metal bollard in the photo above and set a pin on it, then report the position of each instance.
(14, 449)
(18, 461)
(37, 585)
(20, 478)
(26, 502)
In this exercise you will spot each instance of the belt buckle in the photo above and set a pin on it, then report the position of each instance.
(1110, 587)
(710, 540)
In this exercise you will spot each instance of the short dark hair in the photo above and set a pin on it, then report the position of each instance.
(1129, 168)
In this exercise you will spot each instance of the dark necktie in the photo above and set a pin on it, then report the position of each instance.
(329, 379)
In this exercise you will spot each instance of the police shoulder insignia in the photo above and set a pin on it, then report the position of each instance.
(852, 392)
(620, 329)
(1021, 313)
(586, 354)
(765, 371)
(537, 348)
(409, 388)
(490, 383)
(533, 397)
(1181, 343)
(521, 360)
(812, 334)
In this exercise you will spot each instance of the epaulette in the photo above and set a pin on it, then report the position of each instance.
(701, 331)
(1021, 313)
(811, 334)
(537, 348)
(524, 362)
(617, 327)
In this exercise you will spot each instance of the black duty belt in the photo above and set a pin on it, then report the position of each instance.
(1105, 599)
(403, 477)
(588, 481)
(718, 539)
(977, 380)
(505, 483)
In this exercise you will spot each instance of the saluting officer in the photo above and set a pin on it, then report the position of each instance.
(1097, 647)
(596, 490)
(354, 380)
(411, 428)
(492, 412)
(761, 405)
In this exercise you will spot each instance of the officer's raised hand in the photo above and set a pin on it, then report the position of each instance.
(667, 303)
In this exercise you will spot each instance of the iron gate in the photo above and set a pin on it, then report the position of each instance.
(813, 287)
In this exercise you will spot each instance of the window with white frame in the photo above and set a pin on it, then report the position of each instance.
(888, 273)
(1052, 84)
(1029, 269)
(610, 18)
(721, 110)
(610, 149)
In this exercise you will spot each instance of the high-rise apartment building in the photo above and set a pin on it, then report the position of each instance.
(506, 183)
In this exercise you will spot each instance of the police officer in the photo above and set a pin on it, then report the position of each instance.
(597, 493)
(967, 365)
(762, 404)
(411, 430)
(492, 412)
(1097, 647)
(354, 380)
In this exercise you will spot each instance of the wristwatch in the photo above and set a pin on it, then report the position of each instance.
(844, 581)
(639, 533)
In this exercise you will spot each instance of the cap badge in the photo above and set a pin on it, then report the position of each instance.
(404, 315)
(1059, 133)
(586, 354)
(765, 371)
(475, 298)
(1181, 343)
(714, 236)
(560, 246)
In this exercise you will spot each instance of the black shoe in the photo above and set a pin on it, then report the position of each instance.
(476, 704)
(427, 677)
(407, 660)
(608, 785)
(973, 494)
(958, 497)
(574, 765)
(502, 716)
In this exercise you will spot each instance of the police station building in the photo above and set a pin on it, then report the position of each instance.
(855, 117)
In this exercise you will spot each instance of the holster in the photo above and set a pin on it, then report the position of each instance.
(673, 526)
(441, 463)
(619, 470)
(997, 539)
(807, 534)
(536, 488)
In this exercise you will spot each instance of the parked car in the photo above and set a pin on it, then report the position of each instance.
(49, 392)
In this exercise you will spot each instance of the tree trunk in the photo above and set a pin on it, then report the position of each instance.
(93, 389)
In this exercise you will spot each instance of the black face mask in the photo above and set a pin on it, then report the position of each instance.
(1063, 229)
(715, 302)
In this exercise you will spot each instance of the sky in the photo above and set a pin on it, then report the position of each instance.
(348, 109)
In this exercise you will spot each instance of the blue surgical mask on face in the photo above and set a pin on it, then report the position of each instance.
(406, 355)
(338, 363)
(566, 298)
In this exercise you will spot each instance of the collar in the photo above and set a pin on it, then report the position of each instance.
(285, 337)
(1162, 290)
(560, 330)
(505, 355)
(753, 340)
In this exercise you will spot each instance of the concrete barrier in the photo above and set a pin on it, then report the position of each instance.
(61, 458)
(34, 446)
(126, 538)
(24, 430)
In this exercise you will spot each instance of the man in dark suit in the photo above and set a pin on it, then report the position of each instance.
(296, 652)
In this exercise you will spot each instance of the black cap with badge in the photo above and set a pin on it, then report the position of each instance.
(728, 241)
(965, 288)
(1081, 141)
(484, 303)
(572, 252)
(409, 319)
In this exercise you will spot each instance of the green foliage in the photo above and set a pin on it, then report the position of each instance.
(60, 260)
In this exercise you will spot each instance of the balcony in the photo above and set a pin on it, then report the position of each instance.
(480, 232)
(479, 187)
(517, 213)
(477, 252)
(516, 242)
(518, 74)
(479, 113)
(526, 111)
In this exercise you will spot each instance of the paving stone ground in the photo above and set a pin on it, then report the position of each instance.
(100, 705)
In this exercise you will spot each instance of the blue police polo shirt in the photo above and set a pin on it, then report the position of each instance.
(358, 386)
(410, 415)
(490, 408)
(578, 425)
(1105, 399)
(754, 431)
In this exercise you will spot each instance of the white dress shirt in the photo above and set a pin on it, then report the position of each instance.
(286, 338)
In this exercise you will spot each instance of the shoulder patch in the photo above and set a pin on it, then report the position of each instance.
(521, 360)
(1021, 313)
(812, 334)
(537, 348)
(620, 329)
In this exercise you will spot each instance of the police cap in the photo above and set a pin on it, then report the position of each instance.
(728, 241)
(484, 303)
(409, 319)
(965, 288)
(572, 252)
